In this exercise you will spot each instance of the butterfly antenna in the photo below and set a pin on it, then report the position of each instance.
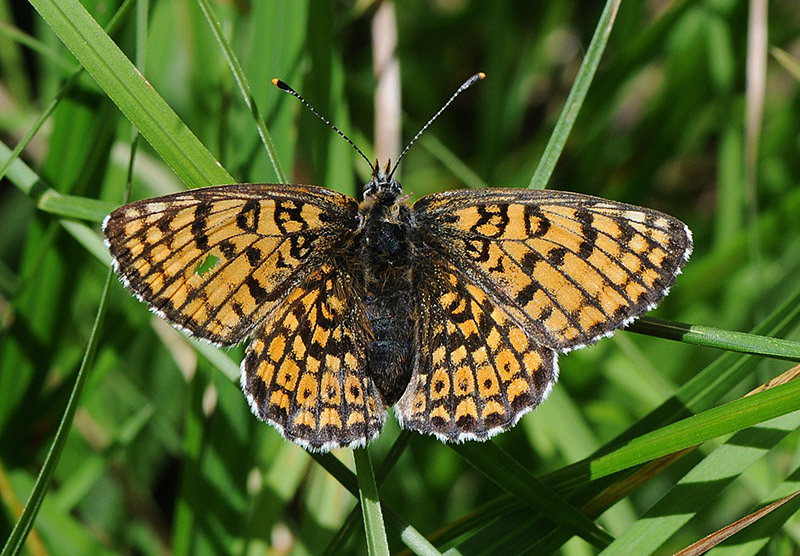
(464, 86)
(285, 87)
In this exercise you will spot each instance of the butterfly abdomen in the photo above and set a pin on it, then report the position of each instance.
(386, 255)
(390, 351)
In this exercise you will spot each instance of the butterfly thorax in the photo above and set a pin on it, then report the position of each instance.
(386, 225)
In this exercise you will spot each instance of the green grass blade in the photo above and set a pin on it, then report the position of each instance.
(21, 175)
(709, 336)
(576, 97)
(244, 89)
(377, 543)
(408, 534)
(699, 486)
(498, 466)
(73, 206)
(337, 544)
(710, 384)
(24, 524)
(725, 419)
(131, 92)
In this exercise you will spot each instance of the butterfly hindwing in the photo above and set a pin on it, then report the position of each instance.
(215, 261)
(477, 371)
(569, 268)
(305, 370)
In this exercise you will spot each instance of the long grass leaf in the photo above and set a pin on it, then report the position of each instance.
(24, 524)
(244, 89)
(577, 94)
(729, 340)
(131, 92)
(377, 543)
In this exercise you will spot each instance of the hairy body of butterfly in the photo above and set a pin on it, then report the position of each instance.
(384, 245)
(453, 310)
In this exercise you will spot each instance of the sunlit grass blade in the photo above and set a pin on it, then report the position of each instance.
(709, 336)
(377, 543)
(72, 206)
(699, 486)
(24, 524)
(131, 92)
(725, 419)
(576, 97)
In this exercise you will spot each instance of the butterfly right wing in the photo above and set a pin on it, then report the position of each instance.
(477, 371)
(509, 277)
(216, 261)
(570, 268)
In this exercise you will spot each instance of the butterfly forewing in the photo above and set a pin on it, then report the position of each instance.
(217, 260)
(568, 268)
(305, 370)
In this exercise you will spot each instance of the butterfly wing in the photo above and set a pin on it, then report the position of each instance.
(216, 261)
(477, 371)
(522, 275)
(567, 268)
(305, 370)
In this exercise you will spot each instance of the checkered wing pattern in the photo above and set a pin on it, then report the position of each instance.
(217, 261)
(305, 370)
(477, 371)
(528, 274)
(567, 268)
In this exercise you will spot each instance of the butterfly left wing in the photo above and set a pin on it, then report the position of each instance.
(305, 371)
(568, 268)
(216, 261)
(477, 371)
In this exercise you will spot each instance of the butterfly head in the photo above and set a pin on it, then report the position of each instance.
(383, 188)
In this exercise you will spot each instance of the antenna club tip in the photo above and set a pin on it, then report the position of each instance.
(480, 75)
(280, 84)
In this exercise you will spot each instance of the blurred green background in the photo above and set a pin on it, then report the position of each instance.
(165, 457)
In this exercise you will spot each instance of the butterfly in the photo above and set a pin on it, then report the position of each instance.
(453, 310)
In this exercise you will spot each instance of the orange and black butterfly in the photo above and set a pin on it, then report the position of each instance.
(453, 309)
